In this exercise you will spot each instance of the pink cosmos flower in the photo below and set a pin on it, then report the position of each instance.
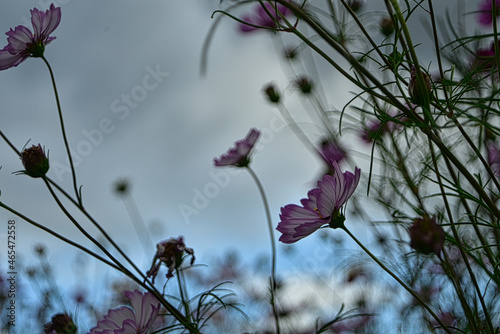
(137, 319)
(268, 17)
(485, 16)
(238, 156)
(23, 43)
(322, 207)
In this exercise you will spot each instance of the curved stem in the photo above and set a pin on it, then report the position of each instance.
(403, 284)
(273, 246)
(63, 130)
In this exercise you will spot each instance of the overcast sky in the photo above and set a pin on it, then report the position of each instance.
(136, 107)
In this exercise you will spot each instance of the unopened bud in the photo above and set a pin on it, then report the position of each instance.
(426, 235)
(61, 324)
(304, 84)
(272, 93)
(419, 92)
(387, 25)
(35, 162)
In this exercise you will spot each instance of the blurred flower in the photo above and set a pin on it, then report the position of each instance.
(61, 324)
(138, 318)
(24, 43)
(355, 5)
(304, 84)
(486, 15)
(372, 131)
(170, 252)
(35, 162)
(484, 59)
(493, 155)
(238, 156)
(321, 208)
(272, 92)
(121, 187)
(330, 151)
(426, 236)
(351, 325)
(268, 17)
(386, 25)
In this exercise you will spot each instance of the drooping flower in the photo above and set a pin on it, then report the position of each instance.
(322, 207)
(169, 252)
(23, 43)
(136, 319)
(61, 324)
(485, 13)
(239, 155)
(268, 17)
(426, 236)
(35, 162)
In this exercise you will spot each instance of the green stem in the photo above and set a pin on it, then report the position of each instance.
(403, 284)
(273, 246)
(63, 130)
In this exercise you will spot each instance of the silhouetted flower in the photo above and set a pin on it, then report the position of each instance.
(304, 84)
(138, 318)
(486, 15)
(61, 324)
(169, 252)
(272, 92)
(426, 236)
(268, 17)
(23, 43)
(35, 162)
(321, 208)
(239, 155)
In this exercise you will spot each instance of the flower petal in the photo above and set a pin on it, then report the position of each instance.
(8, 60)
(298, 222)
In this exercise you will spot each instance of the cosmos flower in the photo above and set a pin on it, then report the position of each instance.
(137, 319)
(171, 253)
(426, 236)
(322, 207)
(238, 156)
(23, 43)
(485, 12)
(267, 17)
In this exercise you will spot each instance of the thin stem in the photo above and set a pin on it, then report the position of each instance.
(63, 130)
(403, 284)
(59, 236)
(273, 246)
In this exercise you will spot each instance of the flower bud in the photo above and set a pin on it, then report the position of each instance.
(61, 324)
(426, 235)
(304, 84)
(419, 94)
(272, 93)
(386, 25)
(35, 162)
(355, 5)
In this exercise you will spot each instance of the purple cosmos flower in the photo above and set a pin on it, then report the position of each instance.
(493, 155)
(268, 17)
(485, 16)
(138, 318)
(330, 151)
(238, 156)
(24, 43)
(320, 208)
